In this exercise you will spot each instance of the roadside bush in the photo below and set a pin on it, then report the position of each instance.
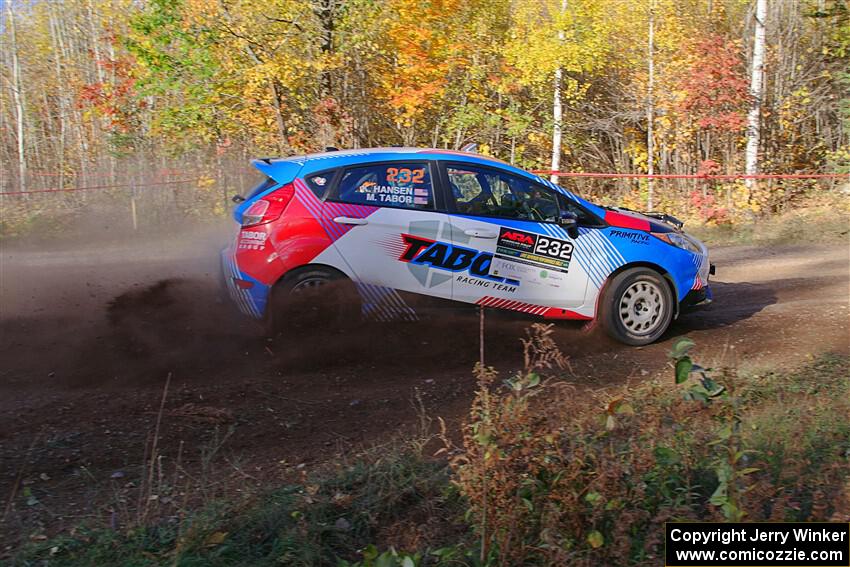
(555, 479)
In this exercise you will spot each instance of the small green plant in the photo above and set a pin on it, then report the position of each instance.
(501, 470)
(699, 385)
(391, 558)
(731, 454)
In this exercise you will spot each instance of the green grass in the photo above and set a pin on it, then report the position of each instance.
(316, 522)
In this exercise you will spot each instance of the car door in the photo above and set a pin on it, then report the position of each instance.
(514, 221)
(383, 247)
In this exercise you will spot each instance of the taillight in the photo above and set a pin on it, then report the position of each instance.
(269, 208)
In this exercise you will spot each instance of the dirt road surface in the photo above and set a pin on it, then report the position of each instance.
(91, 331)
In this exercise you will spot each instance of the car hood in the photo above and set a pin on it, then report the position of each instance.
(647, 222)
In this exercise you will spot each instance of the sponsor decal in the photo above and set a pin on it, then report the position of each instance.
(636, 237)
(536, 249)
(486, 284)
(526, 272)
(453, 258)
(517, 239)
(252, 240)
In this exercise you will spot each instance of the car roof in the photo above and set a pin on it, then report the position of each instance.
(337, 158)
(284, 169)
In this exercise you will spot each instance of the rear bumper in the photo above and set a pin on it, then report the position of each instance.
(248, 294)
(695, 300)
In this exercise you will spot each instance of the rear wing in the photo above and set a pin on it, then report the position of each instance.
(281, 170)
(278, 172)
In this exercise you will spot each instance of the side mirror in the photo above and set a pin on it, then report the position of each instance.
(569, 222)
(238, 199)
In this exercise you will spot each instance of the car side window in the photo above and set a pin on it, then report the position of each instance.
(487, 192)
(405, 185)
(319, 182)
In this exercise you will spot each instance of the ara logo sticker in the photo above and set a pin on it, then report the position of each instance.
(450, 257)
(516, 240)
(516, 236)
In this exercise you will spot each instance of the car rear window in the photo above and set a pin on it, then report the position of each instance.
(404, 185)
(263, 184)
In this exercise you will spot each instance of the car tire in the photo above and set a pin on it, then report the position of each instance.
(637, 306)
(312, 300)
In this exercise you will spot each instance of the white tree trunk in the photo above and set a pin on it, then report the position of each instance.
(557, 109)
(557, 116)
(756, 93)
(650, 109)
(58, 52)
(18, 98)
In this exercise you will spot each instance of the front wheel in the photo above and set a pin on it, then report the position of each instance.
(637, 307)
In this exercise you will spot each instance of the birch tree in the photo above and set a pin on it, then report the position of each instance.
(557, 108)
(650, 109)
(756, 92)
(18, 96)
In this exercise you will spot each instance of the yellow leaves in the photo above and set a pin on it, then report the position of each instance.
(205, 181)
(424, 51)
(595, 539)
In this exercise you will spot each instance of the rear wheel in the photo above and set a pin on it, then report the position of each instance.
(637, 306)
(312, 300)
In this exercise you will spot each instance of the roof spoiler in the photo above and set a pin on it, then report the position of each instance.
(281, 170)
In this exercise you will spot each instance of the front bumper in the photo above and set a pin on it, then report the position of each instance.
(695, 300)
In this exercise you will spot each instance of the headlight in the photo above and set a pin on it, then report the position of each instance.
(679, 241)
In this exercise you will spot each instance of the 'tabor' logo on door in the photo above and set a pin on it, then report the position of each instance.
(445, 256)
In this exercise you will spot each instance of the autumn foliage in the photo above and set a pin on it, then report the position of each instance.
(220, 81)
(715, 89)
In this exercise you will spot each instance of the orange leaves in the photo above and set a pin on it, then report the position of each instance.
(422, 50)
(112, 98)
(716, 89)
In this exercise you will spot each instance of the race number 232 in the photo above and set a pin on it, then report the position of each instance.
(405, 175)
(553, 248)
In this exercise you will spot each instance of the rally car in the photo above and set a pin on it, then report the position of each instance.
(462, 227)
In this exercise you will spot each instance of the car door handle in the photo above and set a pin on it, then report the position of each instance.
(350, 220)
(480, 233)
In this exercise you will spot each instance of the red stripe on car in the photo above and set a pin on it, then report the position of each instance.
(626, 221)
